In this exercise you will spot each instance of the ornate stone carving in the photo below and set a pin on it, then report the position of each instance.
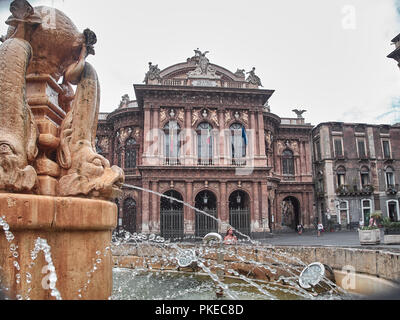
(123, 135)
(163, 115)
(269, 139)
(53, 51)
(214, 117)
(85, 172)
(137, 133)
(203, 68)
(253, 79)
(195, 116)
(240, 73)
(104, 143)
(18, 132)
(181, 115)
(245, 117)
(153, 73)
(299, 113)
(228, 117)
(124, 101)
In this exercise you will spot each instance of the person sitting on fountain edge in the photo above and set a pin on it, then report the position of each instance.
(230, 238)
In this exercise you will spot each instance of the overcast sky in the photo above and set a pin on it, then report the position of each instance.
(328, 57)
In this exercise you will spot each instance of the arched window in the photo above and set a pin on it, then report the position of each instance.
(130, 153)
(390, 182)
(171, 143)
(204, 143)
(364, 176)
(341, 176)
(288, 162)
(119, 150)
(129, 215)
(392, 207)
(238, 141)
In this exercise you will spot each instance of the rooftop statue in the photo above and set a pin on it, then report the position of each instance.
(203, 67)
(253, 79)
(124, 101)
(153, 73)
(44, 41)
(299, 113)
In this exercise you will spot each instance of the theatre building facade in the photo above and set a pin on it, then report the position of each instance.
(206, 136)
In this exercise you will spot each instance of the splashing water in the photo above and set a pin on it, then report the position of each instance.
(286, 283)
(49, 282)
(191, 207)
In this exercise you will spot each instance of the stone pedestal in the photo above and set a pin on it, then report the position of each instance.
(78, 232)
(42, 93)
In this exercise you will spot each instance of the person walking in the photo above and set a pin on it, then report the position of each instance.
(320, 228)
(300, 229)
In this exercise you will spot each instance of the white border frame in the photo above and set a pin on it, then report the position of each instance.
(362, 208)
(347, 211)
(397, 208)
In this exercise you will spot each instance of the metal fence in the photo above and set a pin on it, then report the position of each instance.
(205, 224)
(240, 220)
(172, 226)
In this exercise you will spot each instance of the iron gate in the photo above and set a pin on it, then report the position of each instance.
(172, 226)
(129, 215)
(240, 220)
(205, 224)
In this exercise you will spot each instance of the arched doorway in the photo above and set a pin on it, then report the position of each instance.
(291, 213)
(171, 216)
(205, 201)
(239, 211)
(129, 215)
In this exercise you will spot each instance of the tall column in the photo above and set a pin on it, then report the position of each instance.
(255, 216)
(302, 169)
(264, 207)
(221, 136)
(189, 143)
(145, 208)
(156, 137)
(146, 134)
(261, 138)
(253, 142)
(308, 156)
(189, 215)
(155, 211)
(223, 210)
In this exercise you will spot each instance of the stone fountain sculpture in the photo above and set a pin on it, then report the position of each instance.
(53, 184)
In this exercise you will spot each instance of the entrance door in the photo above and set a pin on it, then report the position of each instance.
(171, 217)
(206, 202)
(239, 212)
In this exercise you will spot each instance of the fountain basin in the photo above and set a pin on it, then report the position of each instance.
(140, 284)
(361, 272)
(78, 232)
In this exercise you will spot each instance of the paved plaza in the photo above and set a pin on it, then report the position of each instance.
(328, 239)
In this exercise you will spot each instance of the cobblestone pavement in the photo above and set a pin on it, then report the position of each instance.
(337, 239)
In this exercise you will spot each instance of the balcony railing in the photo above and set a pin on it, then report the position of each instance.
(171, 162)
(392, 189)
(205, 162)
(346, 190)
(239, 162)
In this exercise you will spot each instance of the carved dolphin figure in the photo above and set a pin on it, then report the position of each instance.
(18, 131)
(85, 173)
